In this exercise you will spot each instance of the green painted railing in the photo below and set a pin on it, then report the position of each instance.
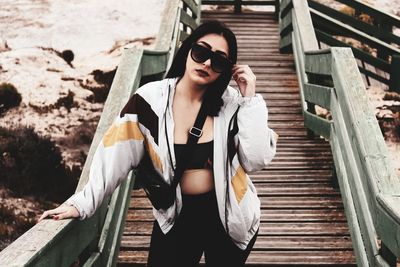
(369, 186)
(95, 241)
(376, 31)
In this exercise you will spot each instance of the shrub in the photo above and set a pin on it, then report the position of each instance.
(392, 96)
(32, 165)
(66, 101)
(102, 88)
(9, 97)
(397, 125)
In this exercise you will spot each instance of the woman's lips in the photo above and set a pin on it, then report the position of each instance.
(202, 73)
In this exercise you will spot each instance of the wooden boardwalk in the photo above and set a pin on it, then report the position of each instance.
(303, 221)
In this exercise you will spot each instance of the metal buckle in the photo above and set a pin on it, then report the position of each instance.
(198, 133)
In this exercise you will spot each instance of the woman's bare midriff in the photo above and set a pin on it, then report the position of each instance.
(197, 181)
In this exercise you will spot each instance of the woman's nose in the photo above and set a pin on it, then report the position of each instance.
(207, 62)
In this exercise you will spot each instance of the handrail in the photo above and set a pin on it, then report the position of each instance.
(378, 34)
(95, 241)
(369, 186)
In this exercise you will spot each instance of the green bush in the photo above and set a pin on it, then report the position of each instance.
(9, 97)
(32, 165)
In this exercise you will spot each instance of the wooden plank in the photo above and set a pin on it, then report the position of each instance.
(154, 62)
(183, 35)
(193, 6)
(285, 44)
(273, 202)
(381, 176)
(316, 258)
(351, 214)
(319, 62)
(285, 25)
(167, 25)
(340, 28)
(306, 30)
(270, 229)
(274, 258)
(188, 20)
(271, 215)
(358, 53)
(356, 23)
(317, 124)
(110, 238)
(51, 243)
(356, 180)
(294, 243)
(317, 94)
(389, 222)
(285, 6)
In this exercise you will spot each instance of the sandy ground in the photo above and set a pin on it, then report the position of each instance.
(34, 33)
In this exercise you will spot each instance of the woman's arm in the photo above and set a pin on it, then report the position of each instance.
(120, 150)
(256, 142)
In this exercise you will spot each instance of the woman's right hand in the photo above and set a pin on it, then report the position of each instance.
(62, 212)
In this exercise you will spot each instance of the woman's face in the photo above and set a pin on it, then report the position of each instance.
(202, 73)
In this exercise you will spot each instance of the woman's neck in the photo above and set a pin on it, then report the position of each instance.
(189, 90)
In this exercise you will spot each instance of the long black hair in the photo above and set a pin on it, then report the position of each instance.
(213, 95)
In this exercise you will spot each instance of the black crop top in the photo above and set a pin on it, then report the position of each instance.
(201, 158)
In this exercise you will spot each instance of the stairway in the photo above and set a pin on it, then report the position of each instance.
(302, 220)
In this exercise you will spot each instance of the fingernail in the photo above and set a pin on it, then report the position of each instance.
(55, 217)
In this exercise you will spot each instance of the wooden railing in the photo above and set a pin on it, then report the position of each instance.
(375, 32)
(95, 241)
(369, 186)
(239, 3)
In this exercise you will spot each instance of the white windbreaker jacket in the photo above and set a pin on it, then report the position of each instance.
(141, 123)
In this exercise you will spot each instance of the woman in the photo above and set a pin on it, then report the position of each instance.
(217, 210)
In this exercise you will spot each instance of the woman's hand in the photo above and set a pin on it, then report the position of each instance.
(245, 79)
(62, 212)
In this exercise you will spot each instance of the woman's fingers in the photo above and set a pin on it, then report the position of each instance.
(239, 69)
(62, 212)
(245, 78)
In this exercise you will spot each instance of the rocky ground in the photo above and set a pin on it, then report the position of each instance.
(62, 55)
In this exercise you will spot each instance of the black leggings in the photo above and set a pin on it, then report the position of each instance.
(198, 229)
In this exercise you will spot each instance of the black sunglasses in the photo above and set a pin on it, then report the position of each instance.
(201, 53)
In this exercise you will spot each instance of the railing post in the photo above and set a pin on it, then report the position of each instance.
(384, 26)
(277, 12)
(311, 106)
(388, 256)
(238, 6)
(395, 74)
(335, 181)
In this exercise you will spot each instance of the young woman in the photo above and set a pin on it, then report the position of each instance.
(217, 211)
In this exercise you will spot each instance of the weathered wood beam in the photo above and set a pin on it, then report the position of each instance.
(351, 215)
(317, 94)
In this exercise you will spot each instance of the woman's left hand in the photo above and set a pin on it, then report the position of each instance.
(245, 79)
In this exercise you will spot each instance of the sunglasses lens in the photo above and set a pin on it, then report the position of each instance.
(199, 53)
(220, 63)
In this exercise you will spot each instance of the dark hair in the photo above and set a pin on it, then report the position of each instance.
(213, 95)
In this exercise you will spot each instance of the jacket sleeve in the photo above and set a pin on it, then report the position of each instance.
(256, 142)
(120, 150)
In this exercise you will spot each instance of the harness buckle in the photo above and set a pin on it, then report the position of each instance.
(196, 131)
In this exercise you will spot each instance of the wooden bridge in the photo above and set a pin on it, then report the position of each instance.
(329, 198)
